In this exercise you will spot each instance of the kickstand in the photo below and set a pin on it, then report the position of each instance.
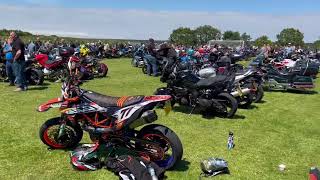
(193, 107)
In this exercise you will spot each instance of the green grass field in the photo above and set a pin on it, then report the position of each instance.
(285, 128)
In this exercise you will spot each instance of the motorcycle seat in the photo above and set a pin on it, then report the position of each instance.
(212, 81)
(110, 101)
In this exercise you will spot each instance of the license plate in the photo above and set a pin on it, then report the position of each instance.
(167, 107)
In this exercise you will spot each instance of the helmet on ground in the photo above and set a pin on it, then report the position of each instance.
(214, 166)
(85, 158)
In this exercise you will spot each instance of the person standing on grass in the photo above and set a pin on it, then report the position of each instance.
(7, 50)
(150, 58)
(18, 48)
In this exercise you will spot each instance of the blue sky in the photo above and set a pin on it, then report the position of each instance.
(258, 6)
(140, 19)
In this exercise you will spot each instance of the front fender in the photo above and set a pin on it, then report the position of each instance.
(53, 103)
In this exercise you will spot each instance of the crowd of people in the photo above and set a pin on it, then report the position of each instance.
(152, 55)
(13, 52)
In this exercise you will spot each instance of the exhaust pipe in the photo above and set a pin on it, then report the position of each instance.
(97, 130)
(245, 91)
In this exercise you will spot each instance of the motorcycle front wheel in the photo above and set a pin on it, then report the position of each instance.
(229, 103)
(169, 150)
(35, 77)
(49, 132)
(101, 69)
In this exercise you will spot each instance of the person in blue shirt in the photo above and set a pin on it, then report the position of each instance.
(7, 50)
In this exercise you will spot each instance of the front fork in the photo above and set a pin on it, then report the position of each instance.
(62, 127)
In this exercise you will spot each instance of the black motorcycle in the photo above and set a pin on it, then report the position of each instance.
(33, 75)
(208, 95)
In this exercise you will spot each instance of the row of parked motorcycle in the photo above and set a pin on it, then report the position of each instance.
(219, 87)
(52, 66)
(114, 122)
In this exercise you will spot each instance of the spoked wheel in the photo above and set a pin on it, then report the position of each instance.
(101, 69)
(49, 133)
(166, 148)
(229, 103)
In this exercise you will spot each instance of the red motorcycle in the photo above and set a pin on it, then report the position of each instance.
(53, 64)
(88, 67)
(111, 120)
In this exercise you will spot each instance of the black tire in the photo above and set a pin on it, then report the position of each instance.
(35, 77)
(258, 95)
(144, 69)
(245, 101)
(72, 137)
(230, 103)
(170, 137)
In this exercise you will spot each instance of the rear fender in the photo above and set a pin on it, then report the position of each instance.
(157, 98)
(53, 103)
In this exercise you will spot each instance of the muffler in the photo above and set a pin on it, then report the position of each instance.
(91, 129)
(241, 92)
(146, 118)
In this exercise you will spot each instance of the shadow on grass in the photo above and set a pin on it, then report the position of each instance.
(295, 91)
(252, 106)
(209, 116)
(37, 88)
(311, 92)
(182, 165)
(238, 117)
(261, 102)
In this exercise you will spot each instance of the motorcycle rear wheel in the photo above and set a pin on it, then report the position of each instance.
(258, 95)
(245, 101)
(50, 129)
(169, 143)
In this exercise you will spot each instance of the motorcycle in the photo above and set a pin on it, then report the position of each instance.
(208, 95)
(112, 120)
(88, 67)
(33, 75)
(275, 79)
(54, 65)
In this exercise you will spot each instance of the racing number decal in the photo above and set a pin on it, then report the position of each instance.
(124, 113)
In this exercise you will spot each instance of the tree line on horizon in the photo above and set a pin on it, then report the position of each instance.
(203, 34)
(187, 36)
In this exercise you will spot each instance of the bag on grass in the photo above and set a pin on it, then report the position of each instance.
(134, 168)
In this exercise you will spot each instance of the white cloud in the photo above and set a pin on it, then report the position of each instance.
(142, 24)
